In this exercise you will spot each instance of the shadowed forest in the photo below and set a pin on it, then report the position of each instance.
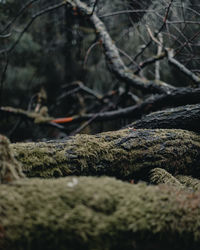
(100, 123)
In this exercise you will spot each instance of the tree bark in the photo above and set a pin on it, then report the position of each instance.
(97, 213)
(185, 117)
(125, 154)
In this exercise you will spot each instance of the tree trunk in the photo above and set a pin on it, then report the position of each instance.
(184, 117)
(125, 154)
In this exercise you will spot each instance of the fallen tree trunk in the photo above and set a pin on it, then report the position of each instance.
(184, 117)
(125, 154)
(97, 213)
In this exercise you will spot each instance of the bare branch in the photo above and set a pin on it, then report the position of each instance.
(49, 9)
(158, 32)
(181, 67)
(20, 12)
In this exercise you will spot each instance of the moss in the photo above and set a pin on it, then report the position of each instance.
(161, 176)
(10, 169)
(126, 154)
(97, 213)
(189, 182)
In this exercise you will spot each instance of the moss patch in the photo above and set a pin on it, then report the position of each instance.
(10, 169)
(97, 213)
(125, 154)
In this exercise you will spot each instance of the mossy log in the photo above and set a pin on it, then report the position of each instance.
(125, 154)
(97, 213)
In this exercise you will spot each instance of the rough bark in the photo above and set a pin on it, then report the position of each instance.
(125, 154)
(184, 117)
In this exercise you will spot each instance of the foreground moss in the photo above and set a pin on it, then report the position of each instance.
(96, 213)
(125, 154)
(10, 169)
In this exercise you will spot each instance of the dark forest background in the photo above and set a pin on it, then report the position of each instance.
(51, 57)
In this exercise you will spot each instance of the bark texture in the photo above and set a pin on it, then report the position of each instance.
(184, 117)
(125, 154)
(97, 213)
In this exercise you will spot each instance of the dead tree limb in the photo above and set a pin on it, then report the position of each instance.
(184, 117)
(116, 64)
(177, 97)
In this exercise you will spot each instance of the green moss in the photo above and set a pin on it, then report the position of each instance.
(126, 154)
(10, 169)
(161, 176)
(189, 182)
(97, 213)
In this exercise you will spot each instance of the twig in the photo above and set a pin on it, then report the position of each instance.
(88, 53)
(87, 123)
(20, 12)
(124, 12)
(3, 78)
(94, 6)
(159, 51)
(49, 9)
(181, 67)
(149, 61)
(158, 32)
(5, 36)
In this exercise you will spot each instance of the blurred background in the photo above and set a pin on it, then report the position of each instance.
(54, 60)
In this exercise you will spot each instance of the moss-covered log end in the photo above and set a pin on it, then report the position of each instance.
(10, 169)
